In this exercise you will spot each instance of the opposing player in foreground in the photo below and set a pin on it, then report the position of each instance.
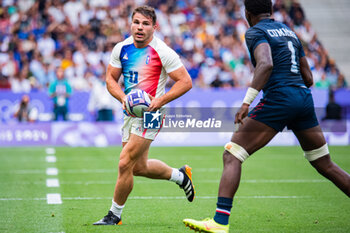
(145, 62)
(282, 71)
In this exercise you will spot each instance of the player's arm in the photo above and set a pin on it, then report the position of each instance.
(262, 72)
(183, 84)
(114, 71)
(306, 73)
(264, 65)
(112, 78)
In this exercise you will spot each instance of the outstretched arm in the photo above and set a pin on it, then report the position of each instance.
(183, 84)
(263, 69)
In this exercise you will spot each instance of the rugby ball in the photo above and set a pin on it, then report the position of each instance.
(137, 102)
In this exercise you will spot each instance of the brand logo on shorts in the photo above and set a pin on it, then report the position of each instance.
(152, 120)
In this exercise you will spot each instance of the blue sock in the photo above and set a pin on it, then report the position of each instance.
(223, 210)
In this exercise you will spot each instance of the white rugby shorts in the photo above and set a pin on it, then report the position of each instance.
(134, 125)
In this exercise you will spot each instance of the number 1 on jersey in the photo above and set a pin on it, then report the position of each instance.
(134, 75)
(294, 67)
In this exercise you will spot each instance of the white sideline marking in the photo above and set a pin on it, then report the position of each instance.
(31, 171)
(157, 181)
(51, 171)
(198, 181)
(52, 183)
(24, 199)
(284, 181)
(54, 198)
(270, 181)
(51, 159)
(50, 151)
(214, 197)
(11, 199)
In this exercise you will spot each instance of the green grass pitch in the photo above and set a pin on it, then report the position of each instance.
(279, 192)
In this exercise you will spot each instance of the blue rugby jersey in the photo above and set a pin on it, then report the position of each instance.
(286, 50)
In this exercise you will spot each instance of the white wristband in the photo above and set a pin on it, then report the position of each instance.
(250, 95)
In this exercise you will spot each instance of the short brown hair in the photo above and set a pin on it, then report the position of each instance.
(147, 11)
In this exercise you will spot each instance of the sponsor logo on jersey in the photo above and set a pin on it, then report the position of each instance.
(148, 59)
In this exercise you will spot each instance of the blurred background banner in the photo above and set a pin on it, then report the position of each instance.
(25, 134)
(60, 134)
(196, 98)
(82, 130)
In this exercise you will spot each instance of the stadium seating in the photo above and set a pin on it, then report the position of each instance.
(37, 36)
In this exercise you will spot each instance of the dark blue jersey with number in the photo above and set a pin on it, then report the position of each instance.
(286, 51)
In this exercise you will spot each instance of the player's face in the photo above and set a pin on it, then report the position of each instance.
(142, 29)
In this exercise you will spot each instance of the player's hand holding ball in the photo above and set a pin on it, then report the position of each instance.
(156, 103)
(124, 105)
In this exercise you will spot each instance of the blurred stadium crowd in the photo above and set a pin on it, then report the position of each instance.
(37, 37)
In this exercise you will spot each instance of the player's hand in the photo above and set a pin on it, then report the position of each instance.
(308, 83)
(241, 114)
(156, 104)
(124, 107)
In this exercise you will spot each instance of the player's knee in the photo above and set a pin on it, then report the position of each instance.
(313, 155)
(139, 171)
(236, 150)
(124, 165)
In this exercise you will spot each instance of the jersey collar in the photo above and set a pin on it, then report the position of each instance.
(267, 20)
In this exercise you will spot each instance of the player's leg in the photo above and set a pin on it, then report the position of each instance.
(250, 137)
(132, 151)
(156, 169)
(316, 151)
(152, 168)
(130, 154)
